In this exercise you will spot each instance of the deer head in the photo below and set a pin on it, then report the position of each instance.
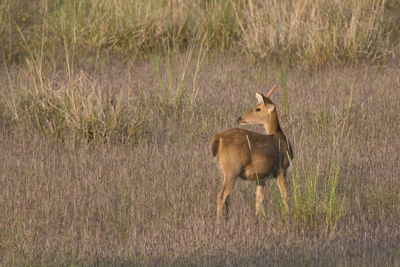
(263, 113)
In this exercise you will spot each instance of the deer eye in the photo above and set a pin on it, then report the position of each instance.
(258, 109)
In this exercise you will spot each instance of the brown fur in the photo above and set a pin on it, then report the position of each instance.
(252, 156)
(267, 156)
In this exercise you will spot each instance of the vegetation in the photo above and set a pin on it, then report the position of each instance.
(107, 109)
(310, 32)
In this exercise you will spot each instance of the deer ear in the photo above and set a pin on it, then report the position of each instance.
(260, 98)
(270, 107)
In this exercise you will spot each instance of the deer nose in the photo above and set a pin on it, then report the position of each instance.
(239, 119)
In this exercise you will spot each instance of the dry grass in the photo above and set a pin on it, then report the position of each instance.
(152, 201)
(72, 108)
(310, 32)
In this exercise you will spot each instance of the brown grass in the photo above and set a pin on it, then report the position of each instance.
(152, 201)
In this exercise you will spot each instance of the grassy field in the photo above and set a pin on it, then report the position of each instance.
(153, 200)
(106, 117)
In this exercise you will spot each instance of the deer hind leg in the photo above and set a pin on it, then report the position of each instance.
(281, 181)
(259, 197)
(223, 195)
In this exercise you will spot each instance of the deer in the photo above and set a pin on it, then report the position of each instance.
(252, 156)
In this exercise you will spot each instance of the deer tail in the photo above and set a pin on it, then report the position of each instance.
(215, 145)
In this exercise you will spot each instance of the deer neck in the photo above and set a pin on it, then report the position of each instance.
(271, 125)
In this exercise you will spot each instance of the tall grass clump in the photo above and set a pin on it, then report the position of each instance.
(316, 202)
(74, 109)
(315, 31)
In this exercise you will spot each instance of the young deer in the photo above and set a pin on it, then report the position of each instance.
(253, 156)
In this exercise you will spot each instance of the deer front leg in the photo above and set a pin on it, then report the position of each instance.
(259, 197)
(281, 181)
